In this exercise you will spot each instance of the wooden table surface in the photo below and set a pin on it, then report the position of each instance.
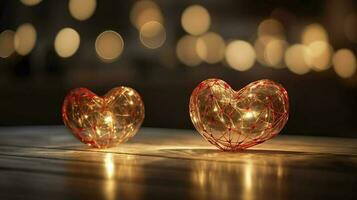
(49, 163)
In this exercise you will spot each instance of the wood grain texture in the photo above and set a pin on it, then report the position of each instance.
(49, 163)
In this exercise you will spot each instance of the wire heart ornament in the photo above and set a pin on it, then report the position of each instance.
(236, 120)
(106, 121)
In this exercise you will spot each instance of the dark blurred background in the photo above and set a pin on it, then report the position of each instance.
(164, 49)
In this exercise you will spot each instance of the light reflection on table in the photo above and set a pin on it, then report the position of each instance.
(174, 164)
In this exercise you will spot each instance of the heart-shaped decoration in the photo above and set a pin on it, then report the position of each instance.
(235, 120)
(106, 121)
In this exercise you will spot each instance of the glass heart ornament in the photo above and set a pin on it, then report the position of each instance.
(236, 120)
(105, 121)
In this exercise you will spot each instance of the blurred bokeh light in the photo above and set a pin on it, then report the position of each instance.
(25, 39)
(67, 42)
(82, 9)
(274, 53)
(240, 55)
(314, 32)
(152, 34)
(30, 2)
(186, 51)
(6, 43)
(297, 59)
(344, 62)
(270, 44)
(195, 20)
(271, 28)
(320, 53)
(109, 45)
(145, 11)
(210, 47)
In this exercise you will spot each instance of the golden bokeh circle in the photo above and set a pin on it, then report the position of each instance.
(152, 34)
(271, 27)
(82, 9)
(312, 33)
(320, 53)
(109, 45)
(7, 43)
(210, 47)
(195, 20)
(344, 63)
(186, 51)
(240, 55)
(297, 59)
(67, 42)
(144, 11)
(274, 53)
(25, 39)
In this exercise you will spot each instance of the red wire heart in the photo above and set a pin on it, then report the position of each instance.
(237, 120)
(103, 121)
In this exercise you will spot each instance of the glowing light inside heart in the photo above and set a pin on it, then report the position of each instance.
(103, 121)
(237, 120)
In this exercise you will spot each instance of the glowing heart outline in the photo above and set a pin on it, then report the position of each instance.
(234, 121)
(103, 121)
